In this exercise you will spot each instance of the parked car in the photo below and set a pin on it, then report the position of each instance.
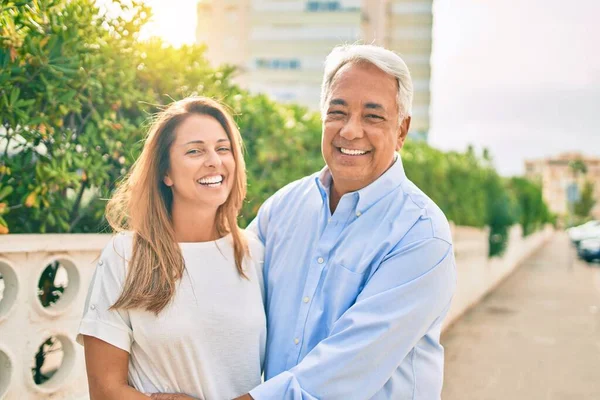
(589, 249)
(589, 230)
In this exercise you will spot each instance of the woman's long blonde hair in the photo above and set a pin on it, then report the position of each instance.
(142, 204)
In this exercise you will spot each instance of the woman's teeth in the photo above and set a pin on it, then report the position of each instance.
(212, 181)
(352, 152)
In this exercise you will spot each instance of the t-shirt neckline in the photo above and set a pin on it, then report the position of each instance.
(204, 245)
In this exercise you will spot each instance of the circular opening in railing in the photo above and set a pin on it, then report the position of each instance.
(9, 287)
(5, 373)
(58, 285)
(52, 363)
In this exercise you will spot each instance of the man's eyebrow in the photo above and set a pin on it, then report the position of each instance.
(374, 106)
(338, 102)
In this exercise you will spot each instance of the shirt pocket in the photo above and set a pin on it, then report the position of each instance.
(341, 287)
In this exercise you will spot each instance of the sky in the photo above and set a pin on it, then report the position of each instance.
(519, 77)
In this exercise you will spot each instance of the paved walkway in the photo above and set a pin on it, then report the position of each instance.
(536, 337)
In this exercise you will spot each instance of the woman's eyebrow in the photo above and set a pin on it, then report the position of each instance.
(202, 142)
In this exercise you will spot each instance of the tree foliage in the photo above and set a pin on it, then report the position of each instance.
(466, 187)
(76, 91)
(532, 211)
(587, 201)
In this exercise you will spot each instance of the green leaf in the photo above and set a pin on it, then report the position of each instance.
(5, 192)
(14, 95)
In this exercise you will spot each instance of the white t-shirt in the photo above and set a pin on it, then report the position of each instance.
(209, 342)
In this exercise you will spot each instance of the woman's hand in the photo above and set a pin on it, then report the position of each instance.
(170, 396)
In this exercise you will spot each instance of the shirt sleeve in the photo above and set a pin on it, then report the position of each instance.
(111, 326)
(260, 223)
(257, 254)
(392, 313)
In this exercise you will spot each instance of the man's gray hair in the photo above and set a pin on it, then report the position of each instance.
(386, 60)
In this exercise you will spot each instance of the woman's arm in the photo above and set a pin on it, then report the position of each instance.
(107, 368)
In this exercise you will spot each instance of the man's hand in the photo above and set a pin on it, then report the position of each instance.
(170, 396)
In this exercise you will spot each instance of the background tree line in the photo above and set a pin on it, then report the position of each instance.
(78, 89)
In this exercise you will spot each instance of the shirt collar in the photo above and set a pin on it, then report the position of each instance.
(370, 194)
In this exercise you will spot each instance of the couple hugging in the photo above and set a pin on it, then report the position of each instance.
(336, 290)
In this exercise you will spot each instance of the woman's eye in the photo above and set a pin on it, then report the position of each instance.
(223, 149)
(193, 151)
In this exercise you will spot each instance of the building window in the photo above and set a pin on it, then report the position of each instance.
(277, 63)
(261, 63)
(316, 6)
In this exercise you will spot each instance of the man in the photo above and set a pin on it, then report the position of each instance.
(359, 266)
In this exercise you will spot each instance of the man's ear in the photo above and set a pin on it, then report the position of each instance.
(403, 132)
(167, 181)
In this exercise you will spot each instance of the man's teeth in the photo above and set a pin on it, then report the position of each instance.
(212, 180)
(352, 152)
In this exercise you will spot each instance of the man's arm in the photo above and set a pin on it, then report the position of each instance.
(369, 341)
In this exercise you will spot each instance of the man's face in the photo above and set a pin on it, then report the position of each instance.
(360, 128)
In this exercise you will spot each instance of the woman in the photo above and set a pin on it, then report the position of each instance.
(176, 304)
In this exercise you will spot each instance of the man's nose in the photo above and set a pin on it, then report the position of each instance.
(352, 129)
(213, 159)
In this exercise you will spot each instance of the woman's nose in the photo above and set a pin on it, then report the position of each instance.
(213, 159)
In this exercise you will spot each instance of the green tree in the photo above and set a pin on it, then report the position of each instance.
(578, 167)
(533, 211)
(587, 201)
(466, 187)
(77, 89)
(67, 84)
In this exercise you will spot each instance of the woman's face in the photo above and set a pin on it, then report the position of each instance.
(202, 166)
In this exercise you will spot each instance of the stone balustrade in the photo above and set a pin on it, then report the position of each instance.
(25, 324)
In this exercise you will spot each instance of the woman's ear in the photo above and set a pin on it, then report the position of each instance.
(167, 181)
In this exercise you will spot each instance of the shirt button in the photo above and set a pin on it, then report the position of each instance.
(93, 306)
(296, 341)
(320, 260)
(358, 213)
(306, 299)
(100, 262)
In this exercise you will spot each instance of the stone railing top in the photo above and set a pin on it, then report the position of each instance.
(50, 242)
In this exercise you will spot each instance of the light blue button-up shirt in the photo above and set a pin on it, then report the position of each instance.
(355, 299)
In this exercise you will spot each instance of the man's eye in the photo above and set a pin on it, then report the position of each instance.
(374, 116)
(335, 112)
